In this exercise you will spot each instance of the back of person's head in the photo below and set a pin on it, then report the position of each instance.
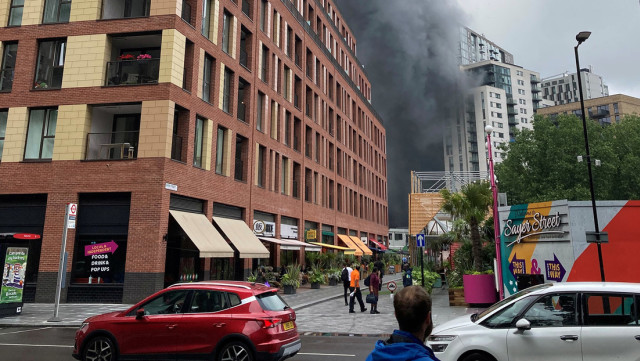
(412, 305)
(375, 269)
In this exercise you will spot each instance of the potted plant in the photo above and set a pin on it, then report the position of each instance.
(334, 277)
(316, 277)
(291, 279)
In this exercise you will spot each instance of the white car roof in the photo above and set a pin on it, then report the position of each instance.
(591, 287)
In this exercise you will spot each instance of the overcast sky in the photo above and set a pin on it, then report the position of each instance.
(541, 35)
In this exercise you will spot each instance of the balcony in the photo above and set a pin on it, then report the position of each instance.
(534, 79)
(112, 145)
(513, 121)
(535, 88)
(124, 9)
(6, 80)
(133, 72)
(511, 110)
(511, 101)
(599, 113)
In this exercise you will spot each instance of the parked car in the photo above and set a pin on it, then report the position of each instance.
(560, 321)
(212, 320)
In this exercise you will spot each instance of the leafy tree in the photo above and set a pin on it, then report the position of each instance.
(472, 205)
(541, 164)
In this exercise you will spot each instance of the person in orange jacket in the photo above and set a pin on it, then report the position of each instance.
(355, 290)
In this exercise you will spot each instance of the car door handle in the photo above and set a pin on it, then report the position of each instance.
(171, 327)
(637, 337)
(569, 338)
(220, 324)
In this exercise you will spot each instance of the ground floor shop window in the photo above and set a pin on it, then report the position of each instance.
(183, 263)
(222, 269)
(99, 260)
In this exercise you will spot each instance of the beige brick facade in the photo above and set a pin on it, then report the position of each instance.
(626, 105)
(86, 61)
(165, 7)
(172, 57)
(32, 13)
(85, 10)
(207, 142)
(221, 89)
(5, 6)
(200, 65)
(156, 129)
(74, 123)
(213, 29)
(15, 135)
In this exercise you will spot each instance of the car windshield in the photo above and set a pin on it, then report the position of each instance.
(497, 305)
(271, 301)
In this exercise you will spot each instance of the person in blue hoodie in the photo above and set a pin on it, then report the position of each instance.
(413, 311)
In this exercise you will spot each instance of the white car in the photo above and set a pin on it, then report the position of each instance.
(572, 321)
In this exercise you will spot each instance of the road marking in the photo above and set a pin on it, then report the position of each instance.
(31, 345)
(325, 354)
(35, 329)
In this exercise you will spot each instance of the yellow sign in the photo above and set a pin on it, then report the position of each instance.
(311, 234)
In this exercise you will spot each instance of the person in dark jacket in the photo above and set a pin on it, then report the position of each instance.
(380, 266)
(413, 311)
(374, 287)
(407, 278)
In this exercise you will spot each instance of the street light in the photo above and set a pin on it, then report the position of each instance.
(581, 37)
(496, 223)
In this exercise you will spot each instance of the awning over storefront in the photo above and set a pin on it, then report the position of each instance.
(345, 249)
(307, 246)
(242, 238)
(285, 245)
(365, 249)
(203, 234)
(378, 244)
(349, 243)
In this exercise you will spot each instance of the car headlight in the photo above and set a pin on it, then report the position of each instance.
(84, 325)
(436, 346)
(441, 338)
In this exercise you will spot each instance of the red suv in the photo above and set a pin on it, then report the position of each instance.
(212, 320)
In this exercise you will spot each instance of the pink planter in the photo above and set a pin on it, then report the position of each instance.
(479, 288)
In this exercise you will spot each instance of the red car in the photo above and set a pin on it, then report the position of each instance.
(211, 320)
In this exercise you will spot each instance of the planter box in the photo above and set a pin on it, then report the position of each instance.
(397, 268)
(289, 290)
(479, 289)
(315, 285)
(456, 297)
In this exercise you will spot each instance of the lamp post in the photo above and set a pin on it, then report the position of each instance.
(496, 223)
(581, 37)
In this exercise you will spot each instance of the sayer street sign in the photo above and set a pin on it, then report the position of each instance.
(420, 240)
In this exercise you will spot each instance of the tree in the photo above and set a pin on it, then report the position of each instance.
(541, 164)
(472, 205)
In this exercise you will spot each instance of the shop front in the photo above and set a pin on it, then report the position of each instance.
(547, 242)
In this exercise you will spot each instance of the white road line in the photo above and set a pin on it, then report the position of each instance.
(31, 345)
(35, 329)
(325, 354)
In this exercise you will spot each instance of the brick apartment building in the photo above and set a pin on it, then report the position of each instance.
(175, 125)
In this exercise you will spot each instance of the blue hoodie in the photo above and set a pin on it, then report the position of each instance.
(401, 346)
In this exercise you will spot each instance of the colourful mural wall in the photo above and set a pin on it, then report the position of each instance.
(549, 239)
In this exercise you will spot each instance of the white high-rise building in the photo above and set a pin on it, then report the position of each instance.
(506, 98)
(563, 88)
(474, 48)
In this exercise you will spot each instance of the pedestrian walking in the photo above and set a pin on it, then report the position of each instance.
(355, 290)
(380, 265)
(345, 277)
(407, 278)
(412, 307)
(374, 287)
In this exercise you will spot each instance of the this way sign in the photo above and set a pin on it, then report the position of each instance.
(420, 240)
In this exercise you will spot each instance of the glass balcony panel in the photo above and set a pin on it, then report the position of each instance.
(122, 9)
(133, 72)
(112, 145)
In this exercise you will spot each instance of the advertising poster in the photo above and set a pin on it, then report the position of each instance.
(15, 265)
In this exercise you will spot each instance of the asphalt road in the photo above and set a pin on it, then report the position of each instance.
(56, 344)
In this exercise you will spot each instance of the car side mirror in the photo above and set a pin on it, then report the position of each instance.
(523, 324)
(140, 314)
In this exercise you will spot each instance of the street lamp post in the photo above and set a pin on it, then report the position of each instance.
(496, 222)
(581, 37)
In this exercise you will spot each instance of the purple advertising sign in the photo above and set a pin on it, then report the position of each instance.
(100, 248)
(554, 269)
(517, 266)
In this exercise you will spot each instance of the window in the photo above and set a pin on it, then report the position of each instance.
(615, 108)
(50, 64)
(284, 180)
(15, 12)
(226, 96)
(41, 133)
(610, 310)
(287, 83)
(206, 17)
(260, 176)
(3, 128)
(120, 9)
(520, 82)
(264, 64)
(208, 301)
(220, 153)
(8, 66)
(198, 143)
(287, 128)
(56, 11)
(245, 47)
(243, 94)
(288, 41)
(241, 158)
(556, 310)
(263, 14)
(247, 7)
(206, 78)
(260, 113)
(167, 303)
(504, 318)
(226, 30)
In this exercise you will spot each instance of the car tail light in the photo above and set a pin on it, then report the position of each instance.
(269, 322)
(292, 316)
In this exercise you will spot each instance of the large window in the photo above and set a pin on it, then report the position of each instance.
(3, 128)
(226, 96)
(260, 112)
(264, 64)
(56, 11)
(245, 47)
(247, 8)
(41, 133)
(206, 17)
(198, 142)
(243, 90)
(610, 310)
(206, 78)
(50, 64)
(556, 310)
(226, 31)
(220, 153)
(8, 66)
(15, 12)
(119, 9)
(261, 166)
(263, 14)
(240, 173)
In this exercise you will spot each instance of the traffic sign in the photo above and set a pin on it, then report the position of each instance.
(71, 217)
(73, 209)
(420, 239)
(392, 286)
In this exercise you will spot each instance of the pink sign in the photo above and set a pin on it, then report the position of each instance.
(100, 248)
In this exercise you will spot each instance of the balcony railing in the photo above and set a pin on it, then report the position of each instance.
(114, 145)
(6, 80)
(133, 72)
(176, 148)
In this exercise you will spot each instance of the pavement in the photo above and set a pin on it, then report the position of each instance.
(319, 312)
